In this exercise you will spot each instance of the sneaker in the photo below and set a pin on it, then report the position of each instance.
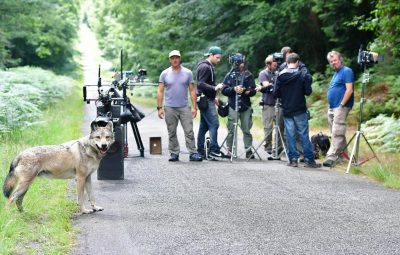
(250, 155)
(174, 157)
(312, 164)
(218, 155)
(195, 157)
(328, 163)
(293, 163)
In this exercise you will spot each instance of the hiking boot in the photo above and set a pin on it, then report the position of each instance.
(312, 164)
(250, 155)
(195, 157)
(293, 163)
(174, 157)
(328, 163)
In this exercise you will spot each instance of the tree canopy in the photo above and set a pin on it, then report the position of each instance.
(38, 32)
(148, 30)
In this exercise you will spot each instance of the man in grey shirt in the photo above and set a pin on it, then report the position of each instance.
(176, 81)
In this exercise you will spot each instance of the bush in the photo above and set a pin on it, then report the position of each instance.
(25, 92)
(383, 132)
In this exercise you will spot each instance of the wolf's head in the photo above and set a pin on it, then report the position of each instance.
(102, 136)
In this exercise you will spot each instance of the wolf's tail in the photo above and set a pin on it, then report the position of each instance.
(10, 182)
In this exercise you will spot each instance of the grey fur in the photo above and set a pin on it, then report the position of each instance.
(75, 159)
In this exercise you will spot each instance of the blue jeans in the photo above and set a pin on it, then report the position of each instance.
(208, 122)
(299, 124)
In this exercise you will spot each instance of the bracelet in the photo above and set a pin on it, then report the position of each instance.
(158, 108)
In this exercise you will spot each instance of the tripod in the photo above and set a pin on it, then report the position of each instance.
(354, 157)
(236, 74)
(135, 131)
(275, 155)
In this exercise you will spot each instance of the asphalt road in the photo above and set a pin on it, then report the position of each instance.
(256, 207)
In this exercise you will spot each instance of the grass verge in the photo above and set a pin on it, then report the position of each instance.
(387, 172)
(45, 225)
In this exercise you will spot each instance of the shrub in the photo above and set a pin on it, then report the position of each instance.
(26, 91)
(383, 132)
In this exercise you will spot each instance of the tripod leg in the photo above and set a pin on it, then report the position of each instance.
(352, 155)
(223, 143)
(369, 145)
(283, 144)
(234, 143)
(137, 138)
(347, 145)
(256, 149)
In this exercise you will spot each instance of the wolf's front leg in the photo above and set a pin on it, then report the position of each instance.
(88, 186)
(81, 187)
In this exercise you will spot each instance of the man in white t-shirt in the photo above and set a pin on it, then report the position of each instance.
(175, 82)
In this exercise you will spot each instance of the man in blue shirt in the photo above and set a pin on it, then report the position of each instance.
(340, 99)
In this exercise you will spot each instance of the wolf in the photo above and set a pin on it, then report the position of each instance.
(74, 159)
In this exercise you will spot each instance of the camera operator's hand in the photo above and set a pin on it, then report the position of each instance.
(239, 89)
(161, 113)
(219, 86)
(266, 84)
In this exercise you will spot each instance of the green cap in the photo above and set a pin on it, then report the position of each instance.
(214, 50)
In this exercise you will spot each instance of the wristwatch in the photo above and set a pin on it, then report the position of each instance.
(159, 107)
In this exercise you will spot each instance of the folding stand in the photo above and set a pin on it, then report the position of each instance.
(278, 136)
(354, 157)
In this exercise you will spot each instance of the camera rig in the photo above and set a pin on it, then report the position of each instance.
(236, 59)
(118, 108)
(368, 57)
(278, 57)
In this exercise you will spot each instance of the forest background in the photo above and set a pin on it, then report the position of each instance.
(42, 33)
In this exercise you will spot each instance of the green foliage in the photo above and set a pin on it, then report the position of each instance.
(45, 225)
(383, 132)
(385, 23)
(25, 92)
(255, 28)
(39, 33)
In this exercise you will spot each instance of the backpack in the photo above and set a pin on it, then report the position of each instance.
(321, 144)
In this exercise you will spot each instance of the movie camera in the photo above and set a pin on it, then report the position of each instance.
(236, 59)
(368, 57)
(278, 57)
(112, 106)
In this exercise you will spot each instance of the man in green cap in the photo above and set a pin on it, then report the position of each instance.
(208, 115)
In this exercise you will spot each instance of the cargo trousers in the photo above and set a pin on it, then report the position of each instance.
(337, 124)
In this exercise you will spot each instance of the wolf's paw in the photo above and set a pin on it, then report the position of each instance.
(87, 211)
(97, 208)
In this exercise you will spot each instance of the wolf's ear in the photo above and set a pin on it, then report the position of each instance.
(93, 126)
(110, 126)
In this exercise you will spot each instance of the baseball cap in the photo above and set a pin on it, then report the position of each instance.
(214, 50)
(174, 53)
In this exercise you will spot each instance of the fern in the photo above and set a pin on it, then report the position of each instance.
(25, 92)
(383, 132)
